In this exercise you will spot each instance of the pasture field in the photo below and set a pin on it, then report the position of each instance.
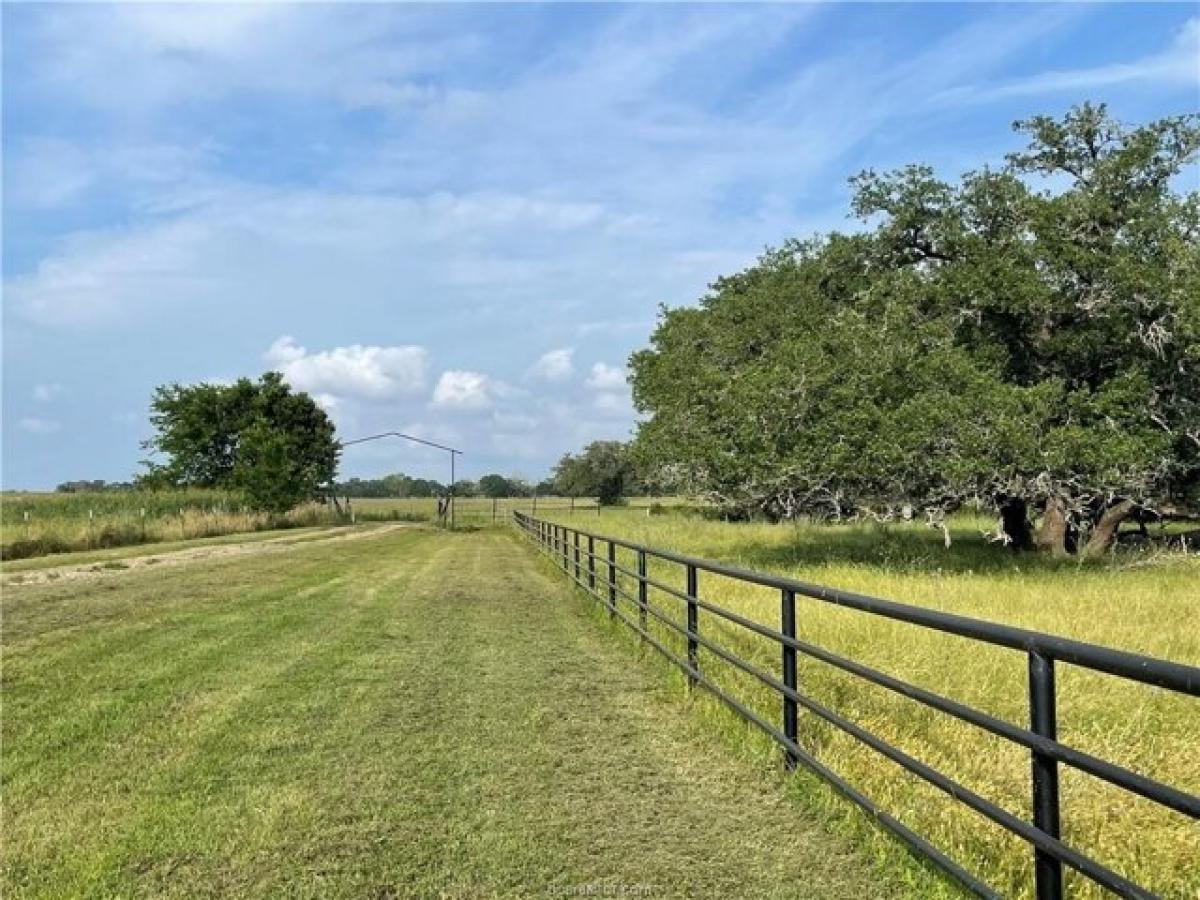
(397, 712)
(482, 510)
(1147, 602)
(37, 524)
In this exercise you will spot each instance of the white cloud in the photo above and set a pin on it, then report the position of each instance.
(606, 378)
(372, 373)
(46, 173)
(34, 425)
(651, 180)
(461, 390)
(94, 276)
(46, 393)
(554, 365)
(1178, 63)
(217, 245)
(613, 404)
(171, 53)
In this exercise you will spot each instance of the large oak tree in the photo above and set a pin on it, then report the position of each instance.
(1029, 337)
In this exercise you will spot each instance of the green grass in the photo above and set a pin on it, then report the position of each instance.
(412, 713)
(82, 557)
(1145, 602)
(34, 525)
(481, 510)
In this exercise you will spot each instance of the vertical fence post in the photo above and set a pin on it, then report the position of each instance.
(576, 541)
(612, 579)
(493, 509)
(788, 621)
(693, 627)
(641, 570)
(591, 563)
(1043, 720)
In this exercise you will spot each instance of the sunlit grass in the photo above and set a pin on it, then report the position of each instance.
(417, 713)
(35, 525)
(1144, 602)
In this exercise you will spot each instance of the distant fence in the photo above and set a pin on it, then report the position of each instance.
(485, 510)
(581, 554)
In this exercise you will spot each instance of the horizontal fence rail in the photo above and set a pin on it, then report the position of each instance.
(594, 564)
(487, 510)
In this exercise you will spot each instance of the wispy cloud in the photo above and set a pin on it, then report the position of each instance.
(487, 186)
(1176, 64)
(47, 393)
(39, 426)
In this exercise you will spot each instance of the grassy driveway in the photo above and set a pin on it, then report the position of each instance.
(409, 714)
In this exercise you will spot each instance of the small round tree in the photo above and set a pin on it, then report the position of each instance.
(276, 445)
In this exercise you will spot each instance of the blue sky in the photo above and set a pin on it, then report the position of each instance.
(459, 220)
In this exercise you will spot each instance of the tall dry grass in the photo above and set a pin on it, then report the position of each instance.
(40, 524)
(1146, 602)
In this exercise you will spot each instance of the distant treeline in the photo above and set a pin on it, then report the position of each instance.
(98, 486)
(401, 485)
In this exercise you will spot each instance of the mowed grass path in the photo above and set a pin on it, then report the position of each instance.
(1145, 602)
(415, 714)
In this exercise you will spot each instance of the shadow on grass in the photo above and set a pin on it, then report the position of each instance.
(902, 548)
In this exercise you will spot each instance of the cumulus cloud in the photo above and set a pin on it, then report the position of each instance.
(372, 373)
(606, 378)
(554, 365)
(34, 425)
(462, 390)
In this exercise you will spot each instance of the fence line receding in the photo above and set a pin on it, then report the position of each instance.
(597, 562)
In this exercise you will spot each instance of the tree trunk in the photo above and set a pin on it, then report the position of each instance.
(1053, 533)
(1014, 523)
(1104, 535)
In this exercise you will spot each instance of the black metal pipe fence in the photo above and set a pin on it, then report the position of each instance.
(575, 551)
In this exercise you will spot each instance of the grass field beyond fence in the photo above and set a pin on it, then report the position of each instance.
(1146, 602)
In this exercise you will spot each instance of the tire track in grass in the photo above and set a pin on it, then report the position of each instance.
(435, 717)
(164, 715)
(578, 771)
(263, 741)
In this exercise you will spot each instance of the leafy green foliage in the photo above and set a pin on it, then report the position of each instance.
(603, 469)
(495, 486)
(985, 339)
(393, 485)
(256, 436)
